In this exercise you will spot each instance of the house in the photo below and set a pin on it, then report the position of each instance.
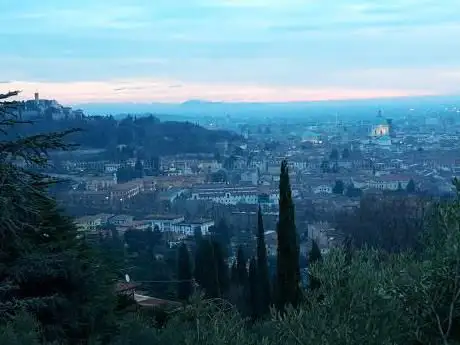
(100, 183)
(231, 195)
(322, 189)
(88, 223)
(121, 220)
(384, 182)
(172, 194)
(188, 228)
(164, 222)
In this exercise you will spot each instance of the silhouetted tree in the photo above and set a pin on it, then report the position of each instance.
(263, 277)
(314, 256)
(138, 169)
(338, 187)
(410, 188)
(287, 268)
(334, 155)
(254, 300)
(206, 270)
(184, 274)
(392, 223)
(222, 268)
(234, 274)
(241, 266)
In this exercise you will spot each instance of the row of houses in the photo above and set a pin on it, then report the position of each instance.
(234, 194)
(165, 223)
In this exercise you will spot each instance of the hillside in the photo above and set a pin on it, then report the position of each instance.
(144, 134)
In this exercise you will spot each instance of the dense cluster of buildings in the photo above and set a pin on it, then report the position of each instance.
(331, 166)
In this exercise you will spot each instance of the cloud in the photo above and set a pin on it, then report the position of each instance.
(299, 44)
(354, 84)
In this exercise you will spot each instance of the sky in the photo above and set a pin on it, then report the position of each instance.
(229, 50)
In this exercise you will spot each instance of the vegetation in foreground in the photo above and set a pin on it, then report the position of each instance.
(54, 289)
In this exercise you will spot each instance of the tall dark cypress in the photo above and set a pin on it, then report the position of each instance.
(241, 266)
(288, 269)
(184, 274)
(206, 272)
(222, 267)
(253, 291)
(314, 256)
(234, 274)
(263, 276)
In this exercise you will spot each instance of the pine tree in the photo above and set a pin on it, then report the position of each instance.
(288, 270)
(263, 275)
(241, 266)
(314, 256)
(46, 268)
(253, 290)
(184, 274)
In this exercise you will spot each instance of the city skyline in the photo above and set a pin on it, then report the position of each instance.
(217, 50)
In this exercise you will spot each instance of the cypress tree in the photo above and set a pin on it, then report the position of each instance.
(206, 272)
(253, 290)
(263, 275)
(184, 273)
(234, 274)
(288, 268)
(241, 266)
(314, 256)
(222, 268)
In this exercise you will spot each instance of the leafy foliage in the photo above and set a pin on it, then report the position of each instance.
(148, 136)
(46, 269)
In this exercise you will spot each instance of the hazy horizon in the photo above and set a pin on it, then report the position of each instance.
(229, 51)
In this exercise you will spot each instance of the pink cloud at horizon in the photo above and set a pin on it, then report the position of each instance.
(170, 91)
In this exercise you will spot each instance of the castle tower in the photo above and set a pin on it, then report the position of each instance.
(36, 98)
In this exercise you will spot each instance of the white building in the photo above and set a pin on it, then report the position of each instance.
(165, 222)
(322, 189)
(232, 195)
(88, 223)
(188, 228)
(385, 182)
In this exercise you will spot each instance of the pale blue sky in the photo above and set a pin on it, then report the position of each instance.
(172, 50)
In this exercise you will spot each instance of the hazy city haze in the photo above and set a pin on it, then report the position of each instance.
(172, 51)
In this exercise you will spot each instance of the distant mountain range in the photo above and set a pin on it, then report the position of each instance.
(193, 108)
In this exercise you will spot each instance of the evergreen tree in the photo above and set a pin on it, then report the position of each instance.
(206, 271)
(197, 234)
(234, 274)
(314, 256)
(263, 275)
(253, 291)
(184, 274)
(46, 268)
(241, 266)
(288, 270)
(339, 187)
(348, 249)
(138, 169)
(334, 155)
(222, 268)
(410, 188)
